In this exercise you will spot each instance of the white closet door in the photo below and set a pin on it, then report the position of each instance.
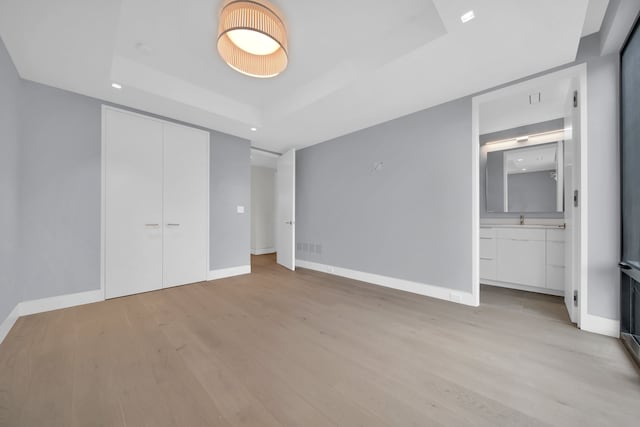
(186, 205)
(133, 204)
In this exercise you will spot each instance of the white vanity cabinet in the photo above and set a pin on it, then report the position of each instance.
(525, 257)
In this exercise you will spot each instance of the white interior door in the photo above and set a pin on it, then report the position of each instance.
(286, 210)
(133, 207)
(186, 205)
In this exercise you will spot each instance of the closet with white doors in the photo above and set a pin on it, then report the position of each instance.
(155, 203)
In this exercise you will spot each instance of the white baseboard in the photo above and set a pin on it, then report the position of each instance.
(600, 325)
(522, 287)
(25, 308)
(229, 272)
(62, 301)
(8, 323)
(263, 251)
(438, 292)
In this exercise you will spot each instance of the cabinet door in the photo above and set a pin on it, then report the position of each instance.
(133, 204)
(487, 258)
(555, 277)
(186, 205)
(521, 262)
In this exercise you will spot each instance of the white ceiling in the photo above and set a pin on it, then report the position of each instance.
(353, 63)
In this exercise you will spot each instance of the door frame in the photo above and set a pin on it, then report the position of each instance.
(578, 72)
(103, 183)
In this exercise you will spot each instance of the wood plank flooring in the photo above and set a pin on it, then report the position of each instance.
(278, 348)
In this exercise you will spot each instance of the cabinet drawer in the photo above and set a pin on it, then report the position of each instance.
(488, 269)
(555, 277)
(555, 236)
(522, 262)
(522, 234)
(487, 233)
(555, 253)
(487, 248)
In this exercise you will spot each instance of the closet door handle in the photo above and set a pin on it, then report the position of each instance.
(152, 225)
(173, 225)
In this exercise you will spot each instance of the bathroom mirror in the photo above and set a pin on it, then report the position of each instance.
(526, 180)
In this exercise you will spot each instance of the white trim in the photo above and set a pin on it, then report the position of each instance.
(8, 323)
(600, 325)
(583, 285)
(229, 272)
(475, 201)
(438, 292)
(103, 203)
(58, 302)
(264, 251)
(26, 308)
(546, 291)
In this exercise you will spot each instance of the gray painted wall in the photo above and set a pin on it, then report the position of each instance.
(412, 218)
(604, 186)
(59, 194)
(10, 85)
(230, 187)
(59, 249)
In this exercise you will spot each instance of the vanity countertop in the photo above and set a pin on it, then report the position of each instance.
(544, 226)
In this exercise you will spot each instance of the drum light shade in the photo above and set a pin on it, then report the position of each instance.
(252, 38)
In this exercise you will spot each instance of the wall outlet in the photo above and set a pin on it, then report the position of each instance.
(455, 297)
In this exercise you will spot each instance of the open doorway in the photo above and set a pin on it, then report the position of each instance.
(273, 178)
(531, 234)
(263, 203)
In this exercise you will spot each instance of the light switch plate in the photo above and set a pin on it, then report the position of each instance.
(240, 209)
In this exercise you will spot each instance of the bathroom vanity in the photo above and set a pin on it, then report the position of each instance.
(525, 257)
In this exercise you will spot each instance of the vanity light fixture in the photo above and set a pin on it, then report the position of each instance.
(538, 138)
(252, 38)
(467, 17)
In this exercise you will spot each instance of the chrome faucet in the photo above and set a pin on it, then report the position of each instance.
(521, 219)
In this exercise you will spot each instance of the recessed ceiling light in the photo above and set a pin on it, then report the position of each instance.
(116, 86)
(524, 169)
(254, 129)
(467, 17)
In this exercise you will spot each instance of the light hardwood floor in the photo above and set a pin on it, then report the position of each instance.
(278, 348)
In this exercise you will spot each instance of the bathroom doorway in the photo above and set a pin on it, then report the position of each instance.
(530, 229)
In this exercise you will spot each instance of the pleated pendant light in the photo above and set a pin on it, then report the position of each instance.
(252, 38)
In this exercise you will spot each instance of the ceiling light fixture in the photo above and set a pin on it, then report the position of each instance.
(116, 86)
(467, 17)
(252, 38)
